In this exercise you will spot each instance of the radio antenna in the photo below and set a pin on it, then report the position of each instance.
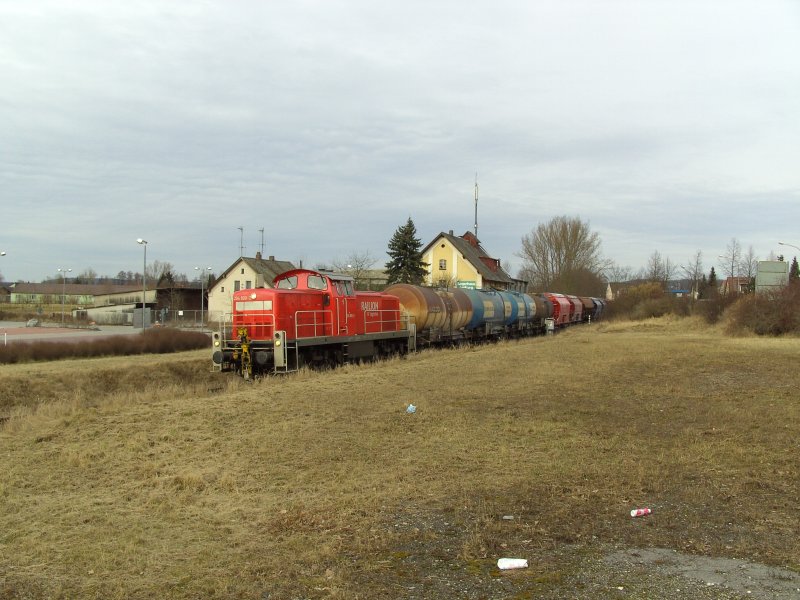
(262, 240)
(241, 241)
(476, 205)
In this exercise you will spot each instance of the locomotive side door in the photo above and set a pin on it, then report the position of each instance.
(345, 307)
(341, 312)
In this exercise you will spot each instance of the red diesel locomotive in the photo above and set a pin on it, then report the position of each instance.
(309, 318)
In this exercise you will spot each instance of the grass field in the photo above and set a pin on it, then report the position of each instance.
(149, 476)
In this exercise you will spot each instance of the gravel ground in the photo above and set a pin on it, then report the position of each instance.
(427, 564)
(572, 572)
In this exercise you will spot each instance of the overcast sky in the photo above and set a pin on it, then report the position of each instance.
(666, 125)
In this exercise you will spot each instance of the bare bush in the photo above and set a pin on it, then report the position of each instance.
(770, 313)
(154, 341)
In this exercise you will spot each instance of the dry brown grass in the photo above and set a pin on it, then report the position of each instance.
(129, 478)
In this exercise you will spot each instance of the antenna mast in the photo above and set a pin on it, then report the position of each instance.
(241, 241)
(476, 206)
(262, 240)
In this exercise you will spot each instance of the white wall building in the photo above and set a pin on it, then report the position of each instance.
(246, 273)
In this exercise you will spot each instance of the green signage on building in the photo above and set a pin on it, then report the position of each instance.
(467, 285)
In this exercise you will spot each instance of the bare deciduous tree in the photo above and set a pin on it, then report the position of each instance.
(357, 265)
(658, 269)
(615, 273)
(731, 260)
(748, 265)
(562, 250)
(88, 275)
(694, 272)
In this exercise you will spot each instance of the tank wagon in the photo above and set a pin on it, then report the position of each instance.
(455, 315)
(318, 318)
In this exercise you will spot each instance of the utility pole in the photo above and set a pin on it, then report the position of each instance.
(143, 243)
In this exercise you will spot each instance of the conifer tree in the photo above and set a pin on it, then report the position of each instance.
(794, 271)
(701, 292)
(405, 252)
(712, 282)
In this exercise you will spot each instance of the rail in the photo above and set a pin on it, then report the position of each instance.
(310, 323)
(260, 325)
(394, 321)
(317, 324)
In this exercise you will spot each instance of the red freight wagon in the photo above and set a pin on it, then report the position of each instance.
(561, 307)
(576, 312)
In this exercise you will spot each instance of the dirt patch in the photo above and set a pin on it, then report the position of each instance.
(754, 580)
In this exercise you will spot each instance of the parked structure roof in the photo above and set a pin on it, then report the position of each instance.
(268, 268)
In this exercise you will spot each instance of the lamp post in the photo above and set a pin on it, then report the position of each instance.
(63, 289)
(790, 245)
(144, 277)
(693, 276)
(202, 277)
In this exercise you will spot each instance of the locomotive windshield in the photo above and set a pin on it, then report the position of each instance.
(303, 280)
(288, 284)
(317, 282)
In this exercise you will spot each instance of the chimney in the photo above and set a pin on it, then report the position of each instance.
(258, 255)
(272, 258)
(451, 232)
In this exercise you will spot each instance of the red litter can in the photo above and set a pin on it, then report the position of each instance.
(640, 512)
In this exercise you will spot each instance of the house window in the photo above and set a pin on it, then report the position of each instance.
(247, 285)
(442, 264)
(242, 270)
(236, 285)
(222, 289)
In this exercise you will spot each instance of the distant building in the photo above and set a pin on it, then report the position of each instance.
(615, 289)
(455, 261)
(245, 273)
(55, 293)
(771, 275)
(169, 304)
(735, 285)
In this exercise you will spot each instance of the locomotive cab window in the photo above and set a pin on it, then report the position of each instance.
(317, 282)
(344, 288)
(288, 284)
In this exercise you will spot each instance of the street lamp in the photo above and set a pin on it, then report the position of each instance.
(790, 245)
(144, 277)
(693, 276)
(202, 277)
(63, 289)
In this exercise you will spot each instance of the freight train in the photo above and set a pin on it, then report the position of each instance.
(319, 319)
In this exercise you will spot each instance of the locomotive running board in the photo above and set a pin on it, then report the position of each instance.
(334, 339)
